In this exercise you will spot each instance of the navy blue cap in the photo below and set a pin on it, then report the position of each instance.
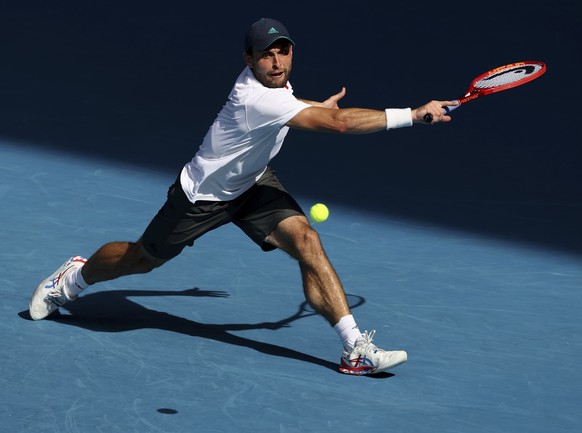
(264, 32)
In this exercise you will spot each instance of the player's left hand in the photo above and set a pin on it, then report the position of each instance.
(332, 101)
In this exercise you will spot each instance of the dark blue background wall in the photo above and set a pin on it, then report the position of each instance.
(141, 81)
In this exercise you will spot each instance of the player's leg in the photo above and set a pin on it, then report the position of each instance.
(273, 219)
(117, 259)
(111, 261)
(176, 225)
(322, 287)
(325, 293)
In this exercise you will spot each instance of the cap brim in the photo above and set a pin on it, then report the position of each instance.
(275, 40)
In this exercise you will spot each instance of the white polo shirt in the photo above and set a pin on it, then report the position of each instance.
(247, 133)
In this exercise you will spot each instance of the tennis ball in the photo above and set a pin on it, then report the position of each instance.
(319, 212)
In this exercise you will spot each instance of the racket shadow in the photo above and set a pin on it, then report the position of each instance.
(114, 311)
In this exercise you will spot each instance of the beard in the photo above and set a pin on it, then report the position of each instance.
(273, 81)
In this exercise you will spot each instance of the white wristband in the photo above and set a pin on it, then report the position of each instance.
(398, 118)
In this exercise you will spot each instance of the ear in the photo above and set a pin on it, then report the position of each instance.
(248, 59)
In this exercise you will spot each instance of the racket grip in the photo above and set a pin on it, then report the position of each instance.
(450, 108)
(428, 117)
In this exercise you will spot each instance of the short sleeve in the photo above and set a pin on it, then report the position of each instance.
(273, 107)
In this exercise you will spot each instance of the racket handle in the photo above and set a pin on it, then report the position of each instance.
(428, 117)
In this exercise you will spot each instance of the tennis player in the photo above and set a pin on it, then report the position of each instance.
(229, 181)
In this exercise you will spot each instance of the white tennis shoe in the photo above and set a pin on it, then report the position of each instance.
(50, 294)
(367, 358)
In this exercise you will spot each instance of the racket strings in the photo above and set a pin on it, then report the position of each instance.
(509, 76)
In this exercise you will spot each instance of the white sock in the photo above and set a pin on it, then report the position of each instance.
(348, 332)
(74, 283)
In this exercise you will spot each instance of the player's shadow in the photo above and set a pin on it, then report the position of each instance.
(114, 311)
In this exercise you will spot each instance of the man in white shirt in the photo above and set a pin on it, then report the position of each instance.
(229, 181)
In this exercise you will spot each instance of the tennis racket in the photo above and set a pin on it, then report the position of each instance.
(496, 80)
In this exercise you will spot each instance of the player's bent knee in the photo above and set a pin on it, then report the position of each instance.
(143, 262)
(146, 265)
(309, 242)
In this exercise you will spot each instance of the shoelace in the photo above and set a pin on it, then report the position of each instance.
(371, 349)
(56, 296)
(367, 337)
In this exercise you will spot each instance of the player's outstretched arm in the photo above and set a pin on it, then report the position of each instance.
(363, 120)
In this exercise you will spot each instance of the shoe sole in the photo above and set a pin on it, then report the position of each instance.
(400, 358)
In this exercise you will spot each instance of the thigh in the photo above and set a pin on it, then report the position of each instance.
(267, 204)
(179, 223)
(295, 236)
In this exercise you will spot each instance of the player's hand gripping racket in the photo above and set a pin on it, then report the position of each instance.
(496, 80)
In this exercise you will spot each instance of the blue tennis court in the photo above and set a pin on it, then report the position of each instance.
(214, 338)
(463, 252)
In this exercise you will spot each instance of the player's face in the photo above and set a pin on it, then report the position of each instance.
(272, 66)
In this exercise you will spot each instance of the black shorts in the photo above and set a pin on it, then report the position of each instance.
(257, 212)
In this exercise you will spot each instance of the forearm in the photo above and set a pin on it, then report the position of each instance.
(360, 120)
(365, 121)
(350, 120)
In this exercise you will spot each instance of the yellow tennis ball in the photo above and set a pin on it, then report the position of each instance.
(319, 212)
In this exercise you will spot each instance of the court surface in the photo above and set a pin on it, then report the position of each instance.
(217, 340)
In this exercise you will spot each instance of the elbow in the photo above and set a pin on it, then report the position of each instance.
(342, 129)
(340, 126)
(340, 123)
